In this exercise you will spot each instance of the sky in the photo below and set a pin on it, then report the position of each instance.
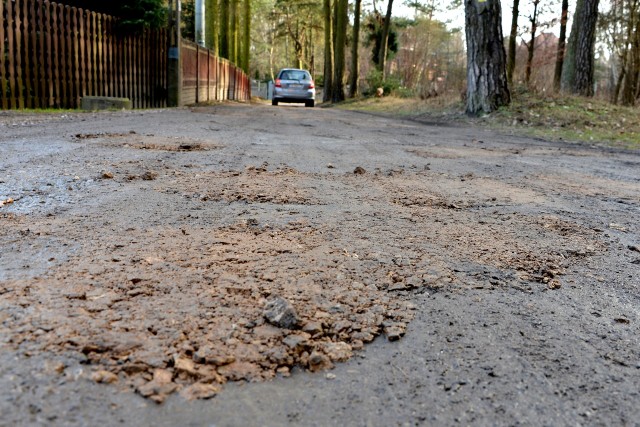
(457, 17)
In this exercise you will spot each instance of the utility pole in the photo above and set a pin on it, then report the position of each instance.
(200, 27)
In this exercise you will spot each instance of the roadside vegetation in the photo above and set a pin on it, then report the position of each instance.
(550, 117)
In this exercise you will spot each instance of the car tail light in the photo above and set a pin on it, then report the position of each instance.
(312, 85)
(278, 83)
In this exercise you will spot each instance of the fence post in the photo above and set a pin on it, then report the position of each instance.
(174, 63)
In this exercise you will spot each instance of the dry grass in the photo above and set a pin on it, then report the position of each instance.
(555, 118)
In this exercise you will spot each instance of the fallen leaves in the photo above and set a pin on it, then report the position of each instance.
(6, 202)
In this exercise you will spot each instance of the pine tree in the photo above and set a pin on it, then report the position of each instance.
(328, 51)
(487, 87)
(337, 93)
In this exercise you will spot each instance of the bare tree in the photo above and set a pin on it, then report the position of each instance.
(385, 38)
(557, 77)
(355, 44)
(623, 24)
(533, 19)
(511, 59)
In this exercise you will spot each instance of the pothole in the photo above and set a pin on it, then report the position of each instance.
(205, 308)
(148, 142)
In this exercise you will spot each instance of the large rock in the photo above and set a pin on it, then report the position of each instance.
(280, 312)
(160, 387)
(337, 351)
(200, 391)
(319, 362)
(92, 103)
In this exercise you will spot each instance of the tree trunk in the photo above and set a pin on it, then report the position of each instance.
(623, 46)
(328, 51)
(211, 25)
(384, 43)
(618, 86)
(532, 44)
(337, 93)
(233, 31)
(487, 87)
(636, 50)
(355, 44)
(557, 76)
(246, 36)
(334, 21)
(298, 44)
(511, 60)
(632, 76)
(311, 52)
(630, 88)
(585, 56)
(569, 66)
(578, 70)
(224, 28)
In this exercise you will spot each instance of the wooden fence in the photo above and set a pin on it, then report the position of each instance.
(206, 77)
(52, 55)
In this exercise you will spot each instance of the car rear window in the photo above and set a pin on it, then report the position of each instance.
(294, 75)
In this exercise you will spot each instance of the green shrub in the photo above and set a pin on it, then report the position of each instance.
(374, 81)
(404, 92)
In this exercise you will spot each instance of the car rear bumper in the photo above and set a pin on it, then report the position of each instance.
(292, 100)
(283, 96)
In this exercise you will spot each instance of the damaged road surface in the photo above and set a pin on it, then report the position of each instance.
(246, 265)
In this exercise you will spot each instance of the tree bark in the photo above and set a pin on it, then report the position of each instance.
(511, 60)
(618, 87)
(246, 36)
(211, 25)
(384, 43)
(328, 51)
(298, 44)
(569, 66)
(621, 42)
(311, 52)
(355, 44)
(487, 87)
(224, 28)
(579, 65)
(233, 31)
(585, 55)
(632, 76)
(337, 93)
(557, 76)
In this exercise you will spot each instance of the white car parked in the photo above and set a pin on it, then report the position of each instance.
(294, 85)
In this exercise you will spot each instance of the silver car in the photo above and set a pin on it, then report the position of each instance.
(294, 85)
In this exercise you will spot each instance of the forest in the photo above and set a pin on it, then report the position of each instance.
(421, 48)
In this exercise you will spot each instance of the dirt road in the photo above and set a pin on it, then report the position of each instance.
(252, 265)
